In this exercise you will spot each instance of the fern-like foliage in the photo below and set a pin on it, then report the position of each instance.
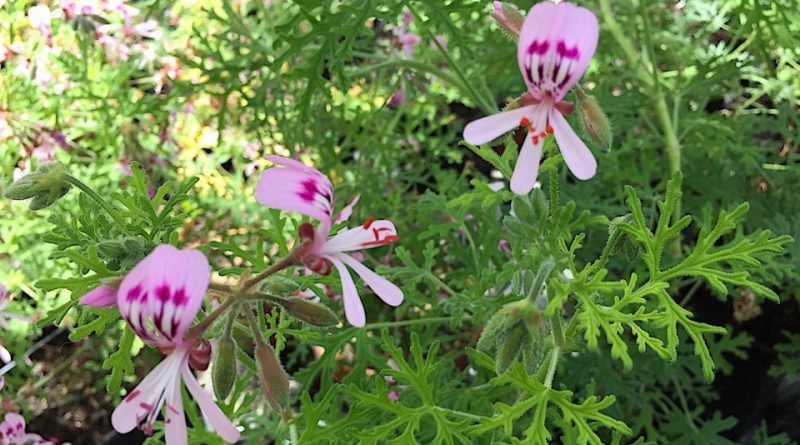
(645, 308)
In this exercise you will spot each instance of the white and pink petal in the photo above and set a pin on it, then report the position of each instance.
(556, 43)
(353, 308)
(577, 156)
(295, 187)
(372, 234)
(488, 128)
(160, 297)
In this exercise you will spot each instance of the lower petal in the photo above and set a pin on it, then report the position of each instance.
(5, 356)
(527, 168)
(127, 415)
(175, 419)
(488, 128)
(578, 157)
(353, 309)
(385, 289)
(218, 420)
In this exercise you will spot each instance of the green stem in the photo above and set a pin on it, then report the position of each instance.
(553, 194)
(551, 370)
(487, 106)
(650, 76)
(99, 199)
(458, 413)
(396, 324)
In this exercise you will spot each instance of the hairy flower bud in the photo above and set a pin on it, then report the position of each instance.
(311, 313)
(273, 377)
(223, 371)
(509, 18)
(594, 120)
(45, 186)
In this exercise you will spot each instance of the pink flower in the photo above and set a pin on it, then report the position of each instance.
(296, 187)
(5, 300)
(556, 43)
(40, 18)
(408, 41)
(397, 98)
(159, 298)
(394, 396)
(12, 432)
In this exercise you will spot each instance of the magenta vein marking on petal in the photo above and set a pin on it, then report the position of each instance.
(179, 298)
(309, 190)
(163, 292)
(134, 293)
(567, 53)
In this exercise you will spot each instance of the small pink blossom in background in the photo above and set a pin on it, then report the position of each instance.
(159, 298)
(556, 43)
(45, 152)
(394, 396)
(408, 41)
(504, 246)
(40, 18)
(170, 69)
(397, 98)
(408, 17)
(5, 356)
(12, 432)
(442, 40)
(295, 187)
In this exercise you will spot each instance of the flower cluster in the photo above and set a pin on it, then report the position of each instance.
(161, 295)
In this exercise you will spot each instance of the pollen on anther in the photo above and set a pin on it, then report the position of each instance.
(532, 129)
(524, 122)
(535, 139)
(542, 134)
(549, 129)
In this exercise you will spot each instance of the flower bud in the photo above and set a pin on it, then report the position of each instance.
(309, 312)
(273, 377)
(616, 237)
(223, 372)
(45, 186)
(279, 285)
(513, 344)
(594, 120)
(509, 18)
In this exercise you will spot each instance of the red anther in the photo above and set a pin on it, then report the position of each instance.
(536, 140)
(531, 129)
(542, 134)
(369, 222)
(524, 122)
(549, 129)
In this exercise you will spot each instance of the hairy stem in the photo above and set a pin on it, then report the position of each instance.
(97, 198)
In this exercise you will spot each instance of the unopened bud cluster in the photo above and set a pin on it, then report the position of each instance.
(43, 187)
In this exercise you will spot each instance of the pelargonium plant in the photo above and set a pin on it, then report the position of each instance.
(210, 289)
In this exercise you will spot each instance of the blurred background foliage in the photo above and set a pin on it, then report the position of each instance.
(375, 94)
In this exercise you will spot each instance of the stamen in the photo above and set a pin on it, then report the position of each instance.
(532, 129)
(524, 122)
(549, 129)
(542, 134)
(535, 140)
